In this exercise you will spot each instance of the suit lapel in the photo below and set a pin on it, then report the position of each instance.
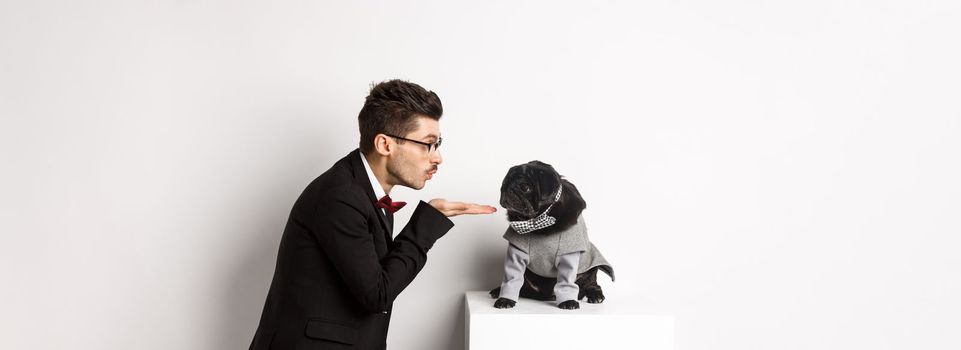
(390, 226)
(360, 179)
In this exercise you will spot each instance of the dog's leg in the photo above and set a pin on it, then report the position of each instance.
(504, 303)
(566, 288)
(514, 266)
(589, 288)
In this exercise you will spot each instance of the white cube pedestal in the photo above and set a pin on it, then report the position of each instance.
(533, 324)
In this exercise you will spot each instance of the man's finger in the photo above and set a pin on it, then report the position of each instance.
(456, 206)
(477, 209)
(450, 208)
(484, 209)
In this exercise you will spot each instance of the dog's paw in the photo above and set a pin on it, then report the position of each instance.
(496, 292)
(569, 305)
(504, 303)
(595, 297)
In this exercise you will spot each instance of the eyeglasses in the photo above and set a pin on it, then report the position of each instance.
(430, 146)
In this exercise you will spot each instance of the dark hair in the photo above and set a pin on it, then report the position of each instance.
(392, 107)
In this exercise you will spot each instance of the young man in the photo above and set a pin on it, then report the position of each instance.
(338, 268)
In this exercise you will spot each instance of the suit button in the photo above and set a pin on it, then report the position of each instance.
(384, 312)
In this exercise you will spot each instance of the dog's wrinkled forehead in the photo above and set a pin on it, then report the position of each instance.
(540, 175)
(530, 169)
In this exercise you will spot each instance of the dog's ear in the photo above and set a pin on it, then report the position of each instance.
(578, 202)
(548, 181)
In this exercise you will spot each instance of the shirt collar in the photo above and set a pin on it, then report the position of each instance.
(378, 190)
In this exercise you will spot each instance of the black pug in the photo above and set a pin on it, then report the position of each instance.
(549, 256)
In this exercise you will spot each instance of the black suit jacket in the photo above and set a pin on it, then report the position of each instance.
(338, 269)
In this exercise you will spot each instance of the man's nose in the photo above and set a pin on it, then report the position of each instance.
(436, 157)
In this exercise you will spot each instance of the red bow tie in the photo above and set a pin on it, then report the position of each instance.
(390, 205)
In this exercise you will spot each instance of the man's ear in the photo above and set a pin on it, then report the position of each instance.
(383, 145)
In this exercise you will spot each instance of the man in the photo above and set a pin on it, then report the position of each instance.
(338, 268)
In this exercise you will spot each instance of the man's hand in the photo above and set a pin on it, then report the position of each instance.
(457, 208)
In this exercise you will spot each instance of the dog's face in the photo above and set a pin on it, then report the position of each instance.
(528, 189)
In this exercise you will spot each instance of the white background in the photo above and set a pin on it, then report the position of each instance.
(777, 175)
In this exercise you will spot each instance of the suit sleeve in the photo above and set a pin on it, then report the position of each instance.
(343, 234)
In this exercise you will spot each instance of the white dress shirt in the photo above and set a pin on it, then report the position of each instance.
(378, 190)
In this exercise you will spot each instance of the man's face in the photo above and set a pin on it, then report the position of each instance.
(411, 165)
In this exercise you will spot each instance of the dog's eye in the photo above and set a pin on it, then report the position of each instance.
(526, 188)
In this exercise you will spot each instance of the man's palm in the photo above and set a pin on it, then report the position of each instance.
(449, 208)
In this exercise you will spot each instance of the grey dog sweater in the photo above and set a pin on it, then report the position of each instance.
(543, 250)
